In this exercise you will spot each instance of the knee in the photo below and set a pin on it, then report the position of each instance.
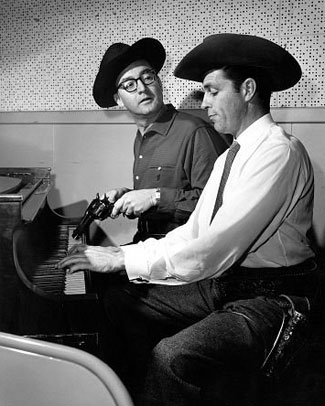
(206, 377)
(163, 353)
(168, 356)
(174, 359)
(199, 379)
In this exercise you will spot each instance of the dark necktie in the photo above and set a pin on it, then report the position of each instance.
(234, 148)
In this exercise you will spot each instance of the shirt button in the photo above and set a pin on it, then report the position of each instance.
(137, 177)
(140, 156)
(159, 168)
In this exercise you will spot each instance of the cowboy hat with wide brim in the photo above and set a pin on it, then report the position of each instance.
(219, 50)
(117, 57)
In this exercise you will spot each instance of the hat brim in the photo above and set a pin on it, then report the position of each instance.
(219, 50)
(104, 87)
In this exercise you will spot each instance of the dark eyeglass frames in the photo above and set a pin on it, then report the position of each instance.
(131, 85)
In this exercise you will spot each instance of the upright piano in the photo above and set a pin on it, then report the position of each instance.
(36, 299)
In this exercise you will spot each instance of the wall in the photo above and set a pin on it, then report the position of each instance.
(51, 49)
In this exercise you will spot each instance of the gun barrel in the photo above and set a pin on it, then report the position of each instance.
(99, 209)
(82, 227)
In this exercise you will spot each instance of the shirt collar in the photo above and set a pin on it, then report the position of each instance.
(255, 130)
(164, 121)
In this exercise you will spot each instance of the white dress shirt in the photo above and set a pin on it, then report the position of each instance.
(266, 212)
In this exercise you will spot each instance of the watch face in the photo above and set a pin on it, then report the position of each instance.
(157, 195)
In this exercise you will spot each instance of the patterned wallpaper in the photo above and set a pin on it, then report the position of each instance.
(50, 50)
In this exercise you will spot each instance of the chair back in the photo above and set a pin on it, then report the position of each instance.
(38, 373)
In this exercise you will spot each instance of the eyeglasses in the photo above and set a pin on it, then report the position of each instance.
(131, 85)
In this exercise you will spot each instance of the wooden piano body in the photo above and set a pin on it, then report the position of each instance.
(35, 298)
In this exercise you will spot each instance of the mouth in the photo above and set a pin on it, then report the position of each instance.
(145, 100)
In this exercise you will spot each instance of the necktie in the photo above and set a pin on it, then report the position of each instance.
(234, 148)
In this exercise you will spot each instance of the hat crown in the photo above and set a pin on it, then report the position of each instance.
(113, 52)
(229, 49)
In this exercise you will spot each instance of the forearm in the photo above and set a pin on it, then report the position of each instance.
(178, 202)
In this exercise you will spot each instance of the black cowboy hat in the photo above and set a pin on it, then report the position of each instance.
(221, 50)
(117, 57)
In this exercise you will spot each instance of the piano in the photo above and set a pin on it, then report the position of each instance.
(36, 299)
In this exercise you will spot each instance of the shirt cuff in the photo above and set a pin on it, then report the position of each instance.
(167, 200)
(135, 262)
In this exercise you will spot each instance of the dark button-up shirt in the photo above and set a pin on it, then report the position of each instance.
(175, 154)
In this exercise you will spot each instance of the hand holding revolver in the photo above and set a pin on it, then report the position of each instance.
(135, 202)
(114, 194)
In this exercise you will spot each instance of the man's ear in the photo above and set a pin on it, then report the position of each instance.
(248, 88)
(118, 100)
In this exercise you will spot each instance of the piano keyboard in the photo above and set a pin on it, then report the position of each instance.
(74, 283)
(57, 281)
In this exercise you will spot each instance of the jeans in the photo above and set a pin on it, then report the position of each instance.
(196, 344)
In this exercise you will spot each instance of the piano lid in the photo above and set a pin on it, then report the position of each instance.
(8, 184)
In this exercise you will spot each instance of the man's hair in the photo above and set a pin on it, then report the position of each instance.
(238, 74)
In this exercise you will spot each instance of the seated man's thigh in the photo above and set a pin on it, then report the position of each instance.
(222, 351)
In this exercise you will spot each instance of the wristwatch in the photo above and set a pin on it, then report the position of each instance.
(157, 196)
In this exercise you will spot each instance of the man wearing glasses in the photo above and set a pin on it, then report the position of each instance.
(174, 152)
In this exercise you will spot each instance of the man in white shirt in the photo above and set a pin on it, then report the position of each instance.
(202, 310)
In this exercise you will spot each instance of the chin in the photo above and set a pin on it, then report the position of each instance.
(149, 108)
(219, 127)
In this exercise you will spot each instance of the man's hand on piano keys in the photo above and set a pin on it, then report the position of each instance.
(93, 258)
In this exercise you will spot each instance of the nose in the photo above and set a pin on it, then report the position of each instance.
(141, 86)
(205, 104)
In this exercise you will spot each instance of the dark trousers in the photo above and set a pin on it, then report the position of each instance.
(156, 228)
(196, 344)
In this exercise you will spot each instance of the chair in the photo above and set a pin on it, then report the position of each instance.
(38, 373)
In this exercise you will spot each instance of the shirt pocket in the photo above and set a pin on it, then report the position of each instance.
(163, 176)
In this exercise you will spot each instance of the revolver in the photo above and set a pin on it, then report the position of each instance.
(98, 209)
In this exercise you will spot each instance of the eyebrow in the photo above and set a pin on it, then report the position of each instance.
(132, 77)
(212, 83)
(208, 86)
